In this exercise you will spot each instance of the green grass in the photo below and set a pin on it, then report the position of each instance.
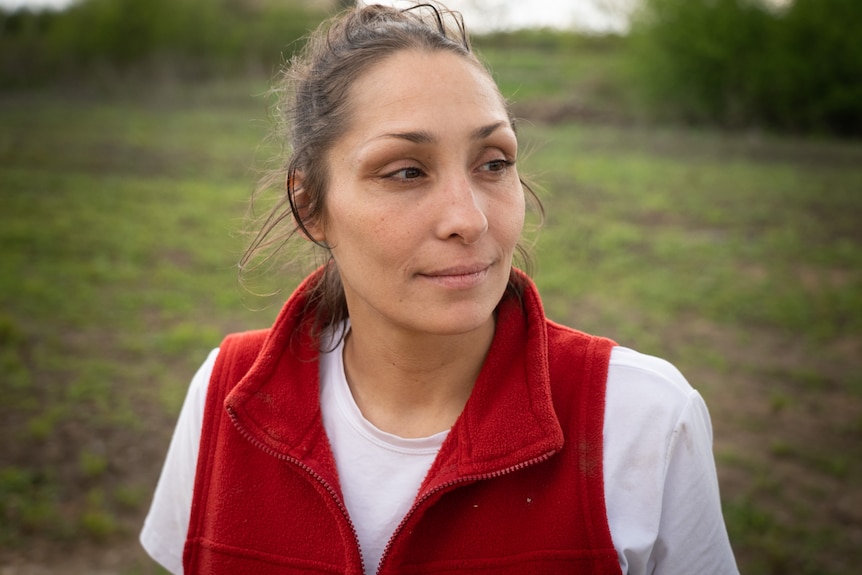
(737, 256)
(768, 244)
(118, 234)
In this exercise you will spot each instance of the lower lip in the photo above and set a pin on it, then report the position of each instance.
(460, 281)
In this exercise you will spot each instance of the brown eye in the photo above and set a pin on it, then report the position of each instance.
(498, 165)
(406, 174)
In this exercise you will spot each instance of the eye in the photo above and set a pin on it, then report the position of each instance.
(406, 174)
(496, 166)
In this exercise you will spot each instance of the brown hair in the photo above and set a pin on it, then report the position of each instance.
(313, 112)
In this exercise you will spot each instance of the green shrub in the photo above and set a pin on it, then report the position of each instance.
(744, 62)
(816, 68)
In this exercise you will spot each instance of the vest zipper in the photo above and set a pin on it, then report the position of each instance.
(329, 489)
(466, 479)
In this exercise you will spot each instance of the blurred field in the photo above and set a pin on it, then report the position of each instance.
(738, 256)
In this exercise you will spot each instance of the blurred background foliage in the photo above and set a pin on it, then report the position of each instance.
(790, 66)
(794, 66)
(195, 38)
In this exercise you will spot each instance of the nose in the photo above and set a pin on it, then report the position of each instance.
(461, 214)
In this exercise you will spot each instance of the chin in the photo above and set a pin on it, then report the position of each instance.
(458, 321)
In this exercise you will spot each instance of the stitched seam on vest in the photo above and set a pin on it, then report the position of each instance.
(232, 551)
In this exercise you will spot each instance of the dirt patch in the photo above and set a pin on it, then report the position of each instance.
(788, 440)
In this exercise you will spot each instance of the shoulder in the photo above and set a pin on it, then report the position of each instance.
(562, 336)
(570, 349)
(243, 343)
(635, 381)
(640, 374)
(236, 354)
(650, 410)
(648, 399)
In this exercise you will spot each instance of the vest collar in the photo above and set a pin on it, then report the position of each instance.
(508, 420)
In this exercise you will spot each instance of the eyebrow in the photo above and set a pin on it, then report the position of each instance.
(485, 131)
(425, 137)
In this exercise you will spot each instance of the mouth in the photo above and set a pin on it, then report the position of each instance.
(459, 277)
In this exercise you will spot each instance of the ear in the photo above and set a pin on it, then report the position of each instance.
(310, 226)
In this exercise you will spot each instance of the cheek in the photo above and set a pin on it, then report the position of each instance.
(510, 218)
(345, 218)
(360, 235)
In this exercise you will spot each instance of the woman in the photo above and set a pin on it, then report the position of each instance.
(412, 410)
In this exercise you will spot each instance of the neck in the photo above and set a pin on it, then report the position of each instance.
(414, 385)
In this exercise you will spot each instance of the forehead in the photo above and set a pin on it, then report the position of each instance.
(424, 87)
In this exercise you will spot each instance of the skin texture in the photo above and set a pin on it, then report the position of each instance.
(423, 214)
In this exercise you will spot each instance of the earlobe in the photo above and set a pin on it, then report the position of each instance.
(300, 206)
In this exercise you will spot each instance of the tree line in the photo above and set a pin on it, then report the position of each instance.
(792, 66)
(196, 38)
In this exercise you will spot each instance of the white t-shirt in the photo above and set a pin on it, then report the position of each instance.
(661, 489)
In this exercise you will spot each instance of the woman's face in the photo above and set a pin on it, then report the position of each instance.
(424, 205)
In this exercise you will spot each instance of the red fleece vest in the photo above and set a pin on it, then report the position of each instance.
(517, 486)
